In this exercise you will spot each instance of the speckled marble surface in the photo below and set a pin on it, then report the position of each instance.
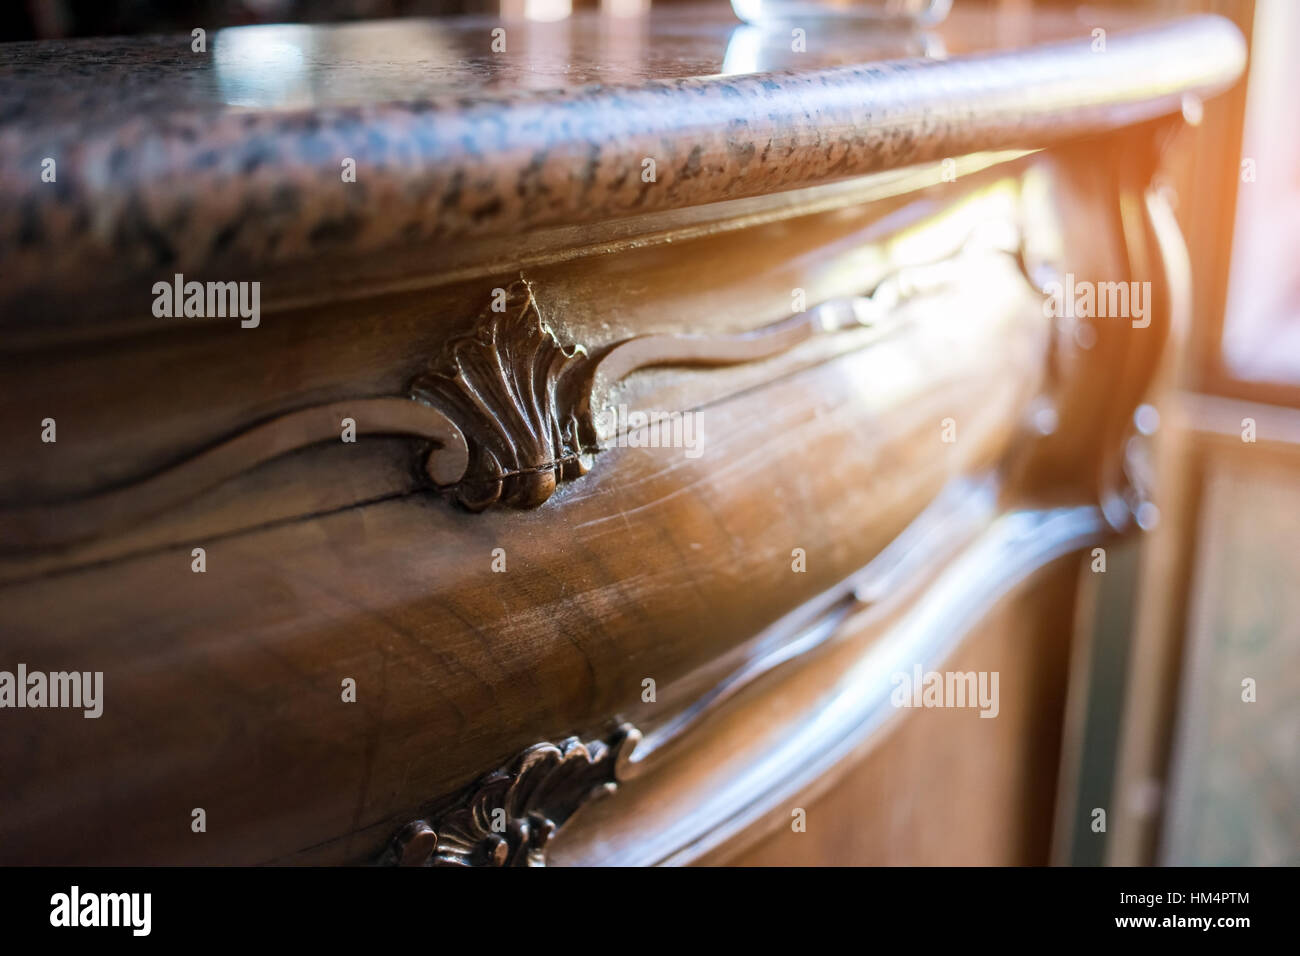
(169, 160)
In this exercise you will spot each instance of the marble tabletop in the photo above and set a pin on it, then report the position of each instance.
(273, 144)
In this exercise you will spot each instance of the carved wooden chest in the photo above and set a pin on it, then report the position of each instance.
(414, 433)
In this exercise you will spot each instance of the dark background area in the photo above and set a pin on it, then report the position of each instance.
(50, 19)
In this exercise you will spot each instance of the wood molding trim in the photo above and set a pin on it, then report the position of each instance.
(507, 408)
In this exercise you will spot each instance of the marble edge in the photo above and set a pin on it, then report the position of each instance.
(244, 192)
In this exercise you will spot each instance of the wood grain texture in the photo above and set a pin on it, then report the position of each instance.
(649, 567)
(653, 566)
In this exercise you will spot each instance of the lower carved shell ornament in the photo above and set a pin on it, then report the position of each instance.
(507, 817)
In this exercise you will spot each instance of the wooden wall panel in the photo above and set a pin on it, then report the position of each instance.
(945, 787)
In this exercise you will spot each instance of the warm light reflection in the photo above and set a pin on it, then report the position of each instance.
(946, 233)
(959, 262)
(260, 65)
(756, 49)
(1261, 332)
(289, 66)
(624, 8)
(547, 10)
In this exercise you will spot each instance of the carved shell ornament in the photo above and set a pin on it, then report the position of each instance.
(514, 389)
(507, 818)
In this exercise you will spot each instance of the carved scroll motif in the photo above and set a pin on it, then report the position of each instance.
(508, 816)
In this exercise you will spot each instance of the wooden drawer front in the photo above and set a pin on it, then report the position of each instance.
(495, 561)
